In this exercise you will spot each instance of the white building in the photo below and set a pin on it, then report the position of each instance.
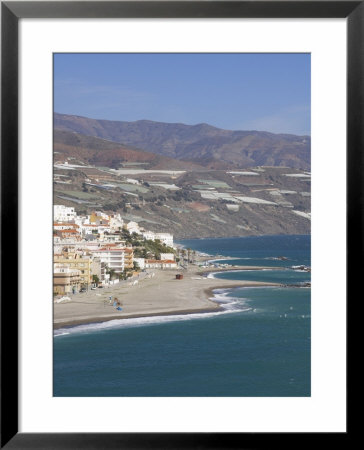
(148, 235)
(88, 229)
(92, 228)
(82, 220)
(160, 264)
(113, 258)
(167, 256)
(133, 227)
(140, 262)
(112, 237)
(116, 222)
(63, 213)
(166, 238)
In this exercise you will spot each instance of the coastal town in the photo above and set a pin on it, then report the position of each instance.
(106, 268)
(99, 250)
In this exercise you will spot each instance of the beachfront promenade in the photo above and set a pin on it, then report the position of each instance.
(158, 294)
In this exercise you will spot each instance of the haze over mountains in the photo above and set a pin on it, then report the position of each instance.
(195, 145)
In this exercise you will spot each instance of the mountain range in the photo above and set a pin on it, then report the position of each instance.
(177, 144)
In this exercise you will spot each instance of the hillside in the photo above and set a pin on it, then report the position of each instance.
(191, 203)
(192, 181)
(100, 152)
(201, 144)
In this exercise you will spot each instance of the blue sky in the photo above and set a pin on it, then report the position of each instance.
(267, 92)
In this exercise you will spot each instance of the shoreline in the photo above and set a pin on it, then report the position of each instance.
(211, 270)
(136, 316)
(154, 295)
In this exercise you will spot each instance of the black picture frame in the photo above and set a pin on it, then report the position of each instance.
(11, 12)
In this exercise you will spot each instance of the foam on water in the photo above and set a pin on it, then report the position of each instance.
(230, 304)
(228, 258)
(212, 274)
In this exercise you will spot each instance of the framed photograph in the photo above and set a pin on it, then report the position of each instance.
(176, 174)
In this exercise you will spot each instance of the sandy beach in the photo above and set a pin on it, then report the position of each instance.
(158, 294)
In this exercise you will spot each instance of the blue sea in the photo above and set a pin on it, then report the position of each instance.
(258, 346)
